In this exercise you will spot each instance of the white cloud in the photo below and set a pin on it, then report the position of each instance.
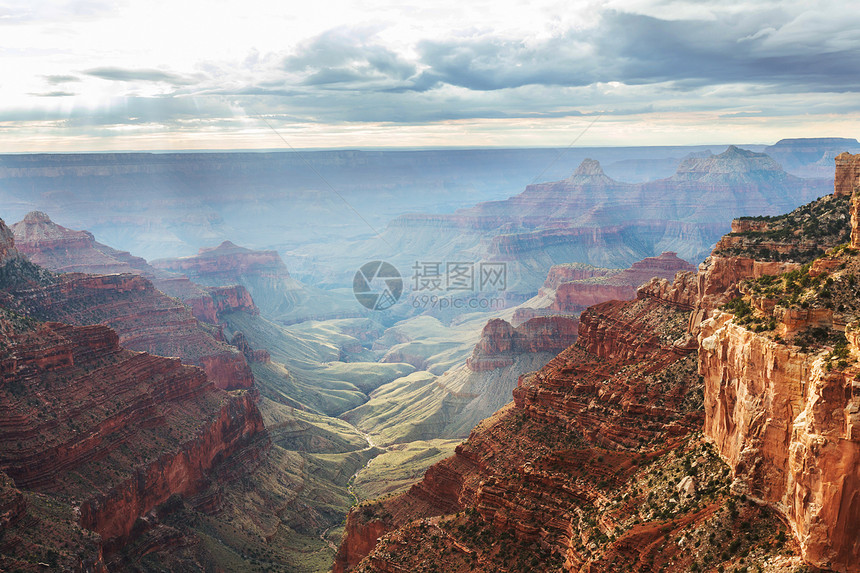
(175, 65)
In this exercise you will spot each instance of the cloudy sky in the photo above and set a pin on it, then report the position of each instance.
(85, 75)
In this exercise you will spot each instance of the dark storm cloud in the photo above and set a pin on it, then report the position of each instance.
(137, 75)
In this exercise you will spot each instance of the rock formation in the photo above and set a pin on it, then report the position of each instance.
(113, 432)
(781, 406)
(569, 289)
(500, 341)
(564, 479)
(67, 251)
(751, 349)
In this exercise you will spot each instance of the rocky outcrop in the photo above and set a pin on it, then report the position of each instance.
(251, 355)
(500, 342)
(570, 272)
(847, 183)
(227, 264)
(571, 288)
(719, 277)
(234, 431)
(789, 430)
(574, 297)
(681, 293)
(7, 243)
(218, 300)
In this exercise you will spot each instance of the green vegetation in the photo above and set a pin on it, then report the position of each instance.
(799, 236)
(401, 466)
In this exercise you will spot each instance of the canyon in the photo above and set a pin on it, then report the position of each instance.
(211, 411)
(719, 400)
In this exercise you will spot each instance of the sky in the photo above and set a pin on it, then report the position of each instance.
(86, 75)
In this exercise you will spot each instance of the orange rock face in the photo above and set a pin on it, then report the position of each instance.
(789, 430)
(847, 174)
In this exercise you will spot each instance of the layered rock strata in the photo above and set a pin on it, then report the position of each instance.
(500, 342)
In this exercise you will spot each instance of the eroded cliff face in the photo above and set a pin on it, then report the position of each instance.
(114, 431)
(143, 317)
(788, 428)
(781, 391)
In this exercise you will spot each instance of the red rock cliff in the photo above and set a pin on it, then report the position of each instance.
(120, 430)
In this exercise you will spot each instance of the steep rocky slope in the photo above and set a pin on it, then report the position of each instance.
(599, 464)
(596, 466)
(780, 372)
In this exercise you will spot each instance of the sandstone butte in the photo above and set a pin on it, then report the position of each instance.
(96, 438)
(711, 424)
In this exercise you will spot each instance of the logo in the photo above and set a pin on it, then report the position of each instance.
(377, 285)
